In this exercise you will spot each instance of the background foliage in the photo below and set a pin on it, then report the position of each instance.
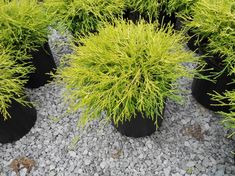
(178, 6)
(125, 69)
(23, 24)
(215, 21)
(82, 17)
(147, 8)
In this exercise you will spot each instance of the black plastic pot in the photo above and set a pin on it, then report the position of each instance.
(44, 63)
(201, 88)
(22, 120)
(138, 127)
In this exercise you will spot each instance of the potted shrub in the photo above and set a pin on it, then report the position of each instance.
(81, 17)
(24, 26)
(137, 9)
(213, 26)
(16, 116)
(126, 71)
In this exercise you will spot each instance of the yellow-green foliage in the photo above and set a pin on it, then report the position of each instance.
(147, 8)
(215, 19)
(229, 118)
(23, 24)
(125, 69)
(12, 79)
(178, 6)
(81, 16)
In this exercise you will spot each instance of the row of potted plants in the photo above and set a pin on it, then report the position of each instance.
(121, 68)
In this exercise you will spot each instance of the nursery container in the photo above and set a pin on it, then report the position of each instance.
(22, 120)
(43, 62)
(201, 88)
(138, 126)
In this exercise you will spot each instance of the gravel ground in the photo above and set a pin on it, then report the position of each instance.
(191, 141)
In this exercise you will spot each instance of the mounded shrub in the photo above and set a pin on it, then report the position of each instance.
(124, 69)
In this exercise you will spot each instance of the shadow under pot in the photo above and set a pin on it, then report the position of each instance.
(201, 88)
(22, 120)
(43, 62)
(138, 126)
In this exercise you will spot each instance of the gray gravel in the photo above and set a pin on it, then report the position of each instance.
(191, 141)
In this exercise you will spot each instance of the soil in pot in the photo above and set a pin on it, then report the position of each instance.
(44, 63)
(139, 126)
(22, 120)
(201, 88)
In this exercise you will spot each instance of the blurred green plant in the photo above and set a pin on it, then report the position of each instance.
(82, 17)
(23, 24)
(124, 69)
(215, 21)
(147, 8)
(178, 6)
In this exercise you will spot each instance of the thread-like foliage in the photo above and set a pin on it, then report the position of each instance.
(178, 6)
(82, 17)
(229, 117)
(215, 20)
(147, 8)
(23, 24)
(124, 69)
(12, 79)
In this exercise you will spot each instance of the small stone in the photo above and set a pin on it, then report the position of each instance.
(191, 164)
(72, 154)
(148, 162)
(85, 152)
(206, 126)
(23, 172)
(219, 173)
(52, 173)
(141, 156)
(184, 121)
(213, 161)
(167, 171)
(80, 171)
(145, 149)
(187, 144)
(102, 164)
(52, 167)
(176, 174)
(87, 162)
